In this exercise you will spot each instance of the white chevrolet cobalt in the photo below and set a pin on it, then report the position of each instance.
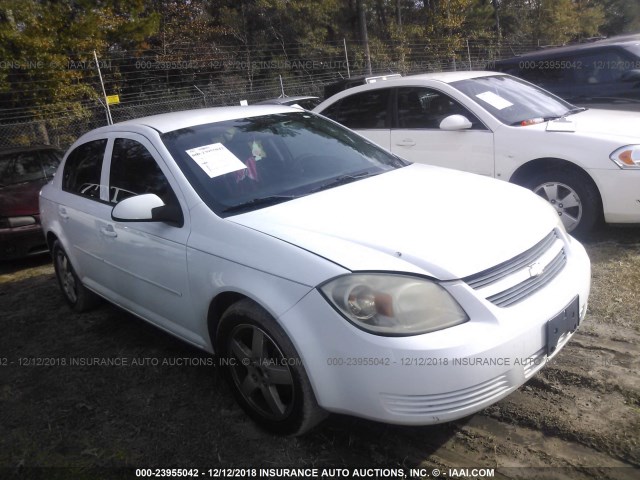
(327, 274)
(586, 163)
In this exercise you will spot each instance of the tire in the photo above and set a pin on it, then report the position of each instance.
(75, 293)
(572, 194)
(265, 372)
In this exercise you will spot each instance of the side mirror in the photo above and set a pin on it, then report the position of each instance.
(455, 122)
(631, 76)
(146, 208)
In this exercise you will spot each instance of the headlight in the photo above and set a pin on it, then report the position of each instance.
(627, 157)
(388, 304)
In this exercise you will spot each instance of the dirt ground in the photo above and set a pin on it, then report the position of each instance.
(578, 418)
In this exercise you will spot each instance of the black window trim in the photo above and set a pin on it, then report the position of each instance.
(394, 106)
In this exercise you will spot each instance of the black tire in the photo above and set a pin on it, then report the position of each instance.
(265, 372)
(75, 293)
(573, 194)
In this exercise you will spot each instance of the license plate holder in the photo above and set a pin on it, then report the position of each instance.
(565, 321)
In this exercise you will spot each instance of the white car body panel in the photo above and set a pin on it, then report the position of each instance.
(365, 236)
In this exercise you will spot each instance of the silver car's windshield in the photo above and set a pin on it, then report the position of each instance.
(513, 101)
(249, 163)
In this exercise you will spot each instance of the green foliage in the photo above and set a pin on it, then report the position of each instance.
(48, 46)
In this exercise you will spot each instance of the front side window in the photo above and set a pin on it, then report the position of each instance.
(245, 164)
(420, 107)
(82, 169)
(364, 110)
(134, 171)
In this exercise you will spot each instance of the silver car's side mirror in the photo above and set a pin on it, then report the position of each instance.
(147, 208)
(455, 122)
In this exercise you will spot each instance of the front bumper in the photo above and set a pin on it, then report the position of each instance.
(620, 192)
(439, 376)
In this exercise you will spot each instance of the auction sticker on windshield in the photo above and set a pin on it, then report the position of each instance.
(215, 159)
(494, 100)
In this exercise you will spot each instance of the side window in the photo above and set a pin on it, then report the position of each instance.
(82, 170)
(601, 67)
(426, 108)
(134, 171)
(362, 110)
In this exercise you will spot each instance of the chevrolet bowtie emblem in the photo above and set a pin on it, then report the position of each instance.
(535, 269)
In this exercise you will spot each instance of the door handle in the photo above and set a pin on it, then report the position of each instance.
(407, 142)
(108, 231)
(63, 212)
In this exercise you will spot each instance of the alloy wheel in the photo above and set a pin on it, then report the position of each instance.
(260, 372)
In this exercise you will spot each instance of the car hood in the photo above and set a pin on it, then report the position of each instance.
(607, 123)
(20, 199)
(421, 219)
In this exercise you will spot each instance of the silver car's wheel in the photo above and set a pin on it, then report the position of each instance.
(67, 277)
(572, 193)
(75, 293)
(260, 372)
(565, 200)
(265, 371)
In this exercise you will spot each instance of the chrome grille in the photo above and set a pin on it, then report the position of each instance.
(514, 280)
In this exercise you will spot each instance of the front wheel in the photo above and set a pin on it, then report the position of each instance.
(572, 194)
(265, 372)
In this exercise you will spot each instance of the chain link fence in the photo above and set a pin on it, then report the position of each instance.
(217, 77)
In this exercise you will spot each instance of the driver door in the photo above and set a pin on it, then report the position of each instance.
(416, 135)
(146, 260)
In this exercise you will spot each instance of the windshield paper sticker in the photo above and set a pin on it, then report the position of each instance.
(215, 159)
(496, 101)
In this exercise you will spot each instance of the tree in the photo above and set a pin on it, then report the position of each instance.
(51, 44)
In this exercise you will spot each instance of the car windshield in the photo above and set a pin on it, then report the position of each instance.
(245, 164)
(513, 101)
(24, 167)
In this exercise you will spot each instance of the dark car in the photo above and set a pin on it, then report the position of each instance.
(23, 172)
(601, 74)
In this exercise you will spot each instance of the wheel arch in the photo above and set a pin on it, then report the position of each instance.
(525, 171)
(50, 239)
(218, 305)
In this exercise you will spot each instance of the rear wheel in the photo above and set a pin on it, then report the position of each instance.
(572, 194)
(265, 372)
(75, 293)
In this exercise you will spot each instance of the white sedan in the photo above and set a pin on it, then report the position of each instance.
(586, 163)
(327, 274)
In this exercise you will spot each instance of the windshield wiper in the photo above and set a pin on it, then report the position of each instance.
(571, 111)
(341, 180)
(261, 202)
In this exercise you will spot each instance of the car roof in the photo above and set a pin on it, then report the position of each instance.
(167, 122)
(409, 80)
(623, 40)
(445, 77)
(284, 100)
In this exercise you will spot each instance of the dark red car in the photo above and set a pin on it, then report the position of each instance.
(23, 172)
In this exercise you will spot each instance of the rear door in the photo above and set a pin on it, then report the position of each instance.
(81, 203)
